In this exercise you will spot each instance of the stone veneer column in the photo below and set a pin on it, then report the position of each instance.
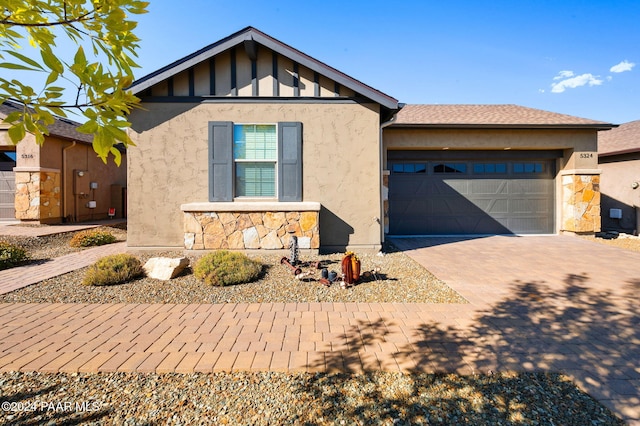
(581, 202)
(38, 195)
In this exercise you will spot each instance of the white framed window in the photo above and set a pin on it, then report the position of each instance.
(255, 156)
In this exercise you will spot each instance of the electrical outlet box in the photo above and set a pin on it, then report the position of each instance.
(91, 204)
(93, 185)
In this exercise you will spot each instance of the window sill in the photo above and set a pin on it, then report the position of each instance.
(251, 206)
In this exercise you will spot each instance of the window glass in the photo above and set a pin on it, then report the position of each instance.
(254, 142)
(255, 179)
(450, 168)
(528, 168)
(409, 168)
(480, 168)
(255, 155)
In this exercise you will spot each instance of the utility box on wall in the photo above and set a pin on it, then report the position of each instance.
(81, 181)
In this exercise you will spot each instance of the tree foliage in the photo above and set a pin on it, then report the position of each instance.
(99, 71)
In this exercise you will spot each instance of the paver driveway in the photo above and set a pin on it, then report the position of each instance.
(552, 303)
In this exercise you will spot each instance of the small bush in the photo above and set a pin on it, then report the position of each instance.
(223, 268)
(92, 237)
(113, 269)
(11, 255)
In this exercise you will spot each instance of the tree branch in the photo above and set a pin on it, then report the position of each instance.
(81, 18)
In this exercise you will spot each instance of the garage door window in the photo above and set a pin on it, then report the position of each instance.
(409, 168)
(450, 168)
(489, 168)
(528, 168)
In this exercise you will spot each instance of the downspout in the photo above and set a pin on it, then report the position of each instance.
(381, 160)
(63, 180)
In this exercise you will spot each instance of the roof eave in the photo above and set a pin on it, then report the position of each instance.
(619, 152)
(603, 126)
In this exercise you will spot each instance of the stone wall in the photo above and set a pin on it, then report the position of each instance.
(581, 203)
(38, 195)
(250, 230)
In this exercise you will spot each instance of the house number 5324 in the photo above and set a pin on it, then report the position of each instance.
(586, 155)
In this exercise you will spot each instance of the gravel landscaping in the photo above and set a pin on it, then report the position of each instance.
(399, 279)
(279, 398)
(297, 399)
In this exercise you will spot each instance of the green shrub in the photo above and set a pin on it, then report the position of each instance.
(92, 237)
(222, 268)
(113, 269)
(11, 255)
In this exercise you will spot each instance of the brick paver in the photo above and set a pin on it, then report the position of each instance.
(536, 304)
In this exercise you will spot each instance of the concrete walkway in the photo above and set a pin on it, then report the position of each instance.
(536, 304)
(22, 276)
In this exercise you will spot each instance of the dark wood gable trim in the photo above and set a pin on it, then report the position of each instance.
(234, 82)
(192, 82)
(276, 83)
(296, 80)
(251, 39)
(316, 84)
(212, 76)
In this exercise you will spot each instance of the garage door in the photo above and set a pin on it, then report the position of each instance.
(471, 193)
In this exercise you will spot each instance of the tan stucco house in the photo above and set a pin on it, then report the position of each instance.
(249, 141)
(619, 157)
(61, 181)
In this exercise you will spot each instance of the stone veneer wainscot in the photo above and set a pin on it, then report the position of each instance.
(250, 225)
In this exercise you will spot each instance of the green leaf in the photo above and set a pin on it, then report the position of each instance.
(16, 133)
(12, 66)
(89, 127)
(53, 76)
(52, 61)
(25, 59)
(117, 157)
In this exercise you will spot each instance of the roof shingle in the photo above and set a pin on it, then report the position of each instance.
(624, 139)
(513, 116)
(62, 127)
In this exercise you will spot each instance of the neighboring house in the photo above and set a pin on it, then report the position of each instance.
(619, 158)
(60, 181)
(249, 141)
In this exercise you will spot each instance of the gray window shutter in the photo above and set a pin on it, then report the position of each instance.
(290, 161)
(220, 161)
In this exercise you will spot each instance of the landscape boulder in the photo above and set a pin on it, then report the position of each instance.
(165, 268)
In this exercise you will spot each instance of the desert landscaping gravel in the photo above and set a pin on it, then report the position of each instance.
(267, 398)
(399, 279)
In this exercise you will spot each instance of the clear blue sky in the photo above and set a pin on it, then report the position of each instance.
(574, 57)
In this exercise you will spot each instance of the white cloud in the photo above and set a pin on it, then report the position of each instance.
(622, 66)
(563, 74)
(568, 80)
